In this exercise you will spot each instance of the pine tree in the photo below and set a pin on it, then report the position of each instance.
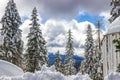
(36, 53)
(117, 45)
(115, 12)
(62, 69)
(118, 68)
(98, 65)
(12, 45)
(69, 61)
(98, 72)
(88, 64)
(58, 62)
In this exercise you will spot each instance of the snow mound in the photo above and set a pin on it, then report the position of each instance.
(79, 76)
(9, 69)
(46, 73)
(114, 26)
(113, 76)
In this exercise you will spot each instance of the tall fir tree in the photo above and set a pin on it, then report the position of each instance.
(69, 61)
(98, 65)
(116, 42)
(115, 12)
(88, 63)
(36, 53)
(118, 68)
(12, 45)
(58, 62)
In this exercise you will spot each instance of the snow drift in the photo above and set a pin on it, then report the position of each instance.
(113, 76)
(9, 69)
(46, 73)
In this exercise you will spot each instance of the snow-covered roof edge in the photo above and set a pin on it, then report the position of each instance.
(114, 27)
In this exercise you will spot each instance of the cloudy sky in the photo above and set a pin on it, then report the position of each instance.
(58, 16)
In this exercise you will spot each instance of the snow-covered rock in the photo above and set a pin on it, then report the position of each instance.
(9, 69)
(113, 76)
(114, 26)
(47, 73)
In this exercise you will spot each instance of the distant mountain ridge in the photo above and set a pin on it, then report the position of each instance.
(78, 59)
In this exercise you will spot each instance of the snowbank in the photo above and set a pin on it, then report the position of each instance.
(9, 69)
(47, 73)
(78, 77)
(113, 76)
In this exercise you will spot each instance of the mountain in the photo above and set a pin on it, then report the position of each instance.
(78, 59)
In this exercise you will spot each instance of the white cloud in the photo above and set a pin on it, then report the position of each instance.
(25, 30)
(55, 33)
(3, 4)
(106, 15)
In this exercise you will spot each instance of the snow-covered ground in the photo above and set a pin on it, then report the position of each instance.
(113, 76)
(9, 71)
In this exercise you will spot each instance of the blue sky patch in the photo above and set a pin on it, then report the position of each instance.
(91, 18)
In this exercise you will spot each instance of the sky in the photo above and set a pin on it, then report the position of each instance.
(58, 16)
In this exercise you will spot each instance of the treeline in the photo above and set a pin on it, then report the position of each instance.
(35, 56)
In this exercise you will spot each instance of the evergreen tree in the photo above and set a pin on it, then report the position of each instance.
(117, 45)
(118, 68)
(69, 61)
(62, 69)
(98, 72)
(88, 64)
(12, 45)
(58, 62)
(36, 54)
(115, 12)
(98, 65)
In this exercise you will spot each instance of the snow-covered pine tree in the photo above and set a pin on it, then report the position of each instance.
(98, 71)
(69, 61)
(98, 65)
(115, 12)
(36, 53)
(118, 68)
(58, 62)
(117, 45)
(12, 45)
(88, 63)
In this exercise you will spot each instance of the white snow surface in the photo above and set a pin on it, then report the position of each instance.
(113, 76)
(46, 73)
(114, 26)
(9, 69)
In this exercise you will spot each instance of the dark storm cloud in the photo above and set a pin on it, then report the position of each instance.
(71, 8)
(63, 8)
(59, 8)
(95, 6)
